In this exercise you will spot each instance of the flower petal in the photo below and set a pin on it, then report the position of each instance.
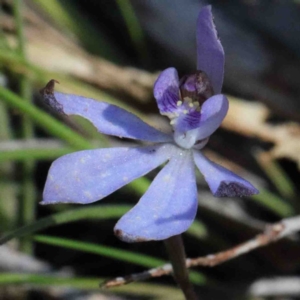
(107, 118)
(222, 182)
(167, 208)
(213, 111)
(210, 53)
(188, 121)
(166, 91)
(90, 175)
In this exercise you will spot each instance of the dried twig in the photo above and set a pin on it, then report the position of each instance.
(272, 233)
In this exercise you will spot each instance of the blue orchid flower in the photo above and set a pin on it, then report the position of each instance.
(195, 108)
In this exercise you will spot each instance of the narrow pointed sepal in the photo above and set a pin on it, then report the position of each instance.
(107, 118)
(210, 53)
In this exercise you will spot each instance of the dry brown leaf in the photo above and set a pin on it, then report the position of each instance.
(249, 119)
(287, 142)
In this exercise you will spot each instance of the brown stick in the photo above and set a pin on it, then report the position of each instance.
(272, 233)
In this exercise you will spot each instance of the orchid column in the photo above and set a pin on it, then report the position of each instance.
(196, 109)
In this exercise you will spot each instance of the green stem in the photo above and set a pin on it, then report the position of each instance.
(22, 155)
(277, 175)
(27, 204)
(7, 185)
(19, 26)
(65, 15)
(177, 256)
(274, 203)
(32, 281)
(43, 119)
(134, 29)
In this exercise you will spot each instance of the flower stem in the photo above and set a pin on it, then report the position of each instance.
(175, 249)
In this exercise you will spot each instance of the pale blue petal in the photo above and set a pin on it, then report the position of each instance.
(90, 175)
(108, 118)
(166, 91)
(222, 182)
(213, 112)
(210, 53)
(186, 122)
(167, 208)
(202, 124)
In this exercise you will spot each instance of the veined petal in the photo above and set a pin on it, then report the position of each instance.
(213, 112)
(107, 118)
(222, 182)
(210, 53)
(166, 91)
(167, 208)
(201, 124)
(187, 121)
(90, 175)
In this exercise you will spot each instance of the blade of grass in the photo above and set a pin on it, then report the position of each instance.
(35, 154)
(88, 283)
(122, 255)
(198, 230)
(66, 16)
(105, 251)
(99, 212)
(274, 203)
(43, 119)
(134, 29)
(7, 184)
(27, 201)
(3, 40)
(277, 175)
(40, 279)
